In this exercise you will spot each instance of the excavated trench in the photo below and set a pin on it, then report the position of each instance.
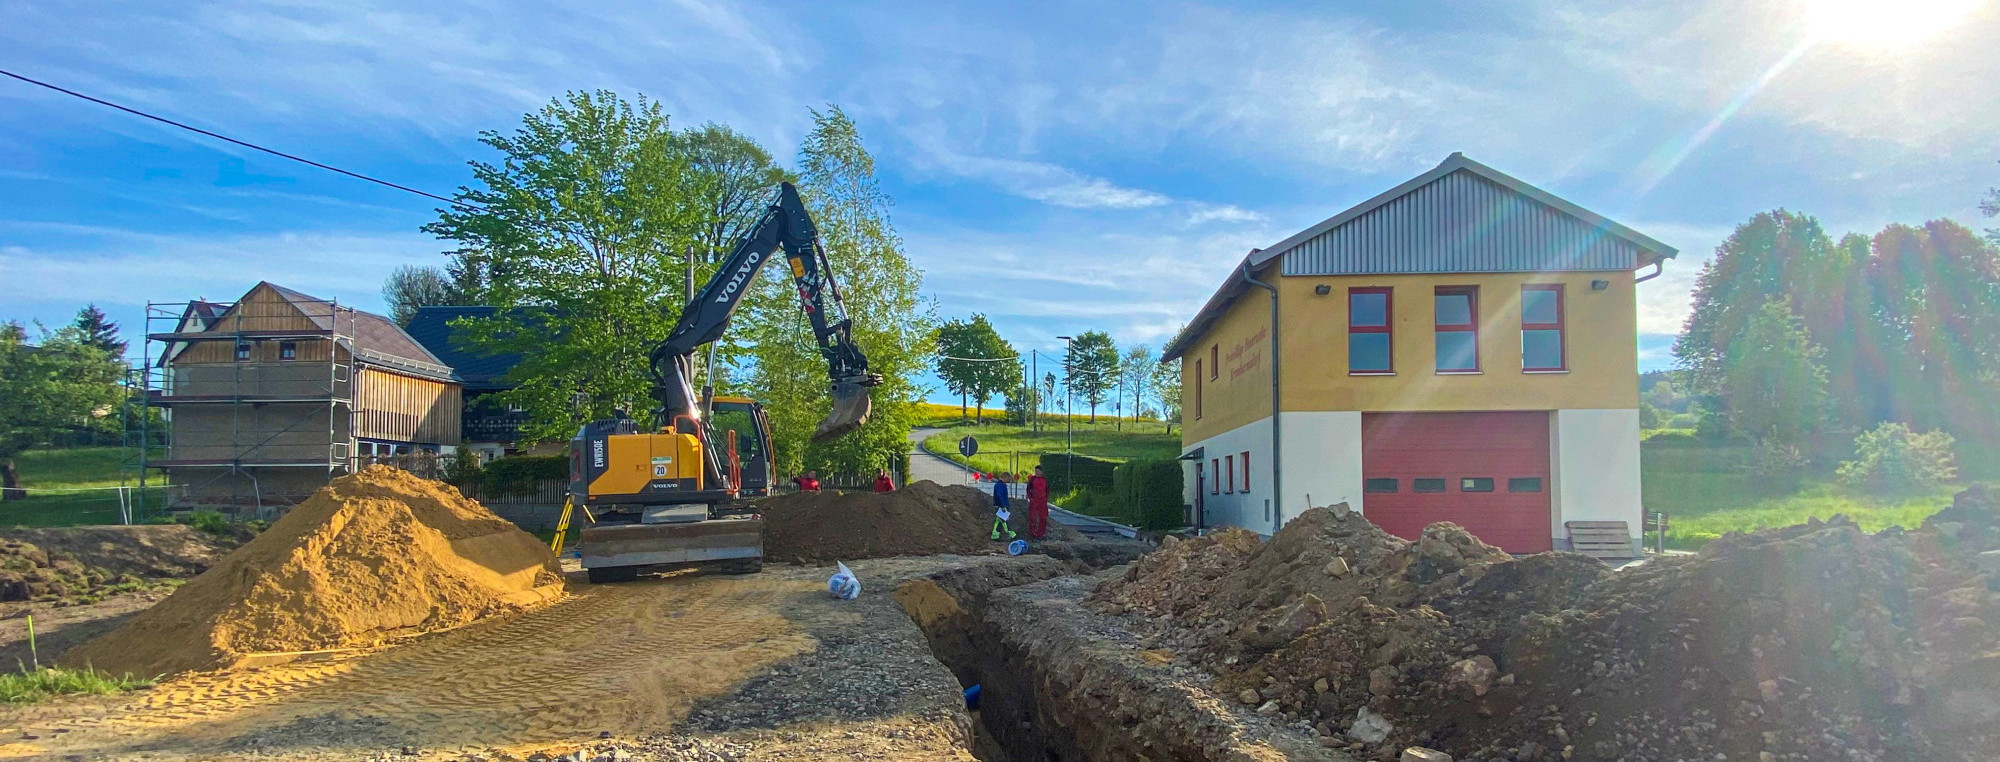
(1058, 683)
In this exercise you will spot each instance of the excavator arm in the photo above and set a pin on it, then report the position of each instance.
(784, 226)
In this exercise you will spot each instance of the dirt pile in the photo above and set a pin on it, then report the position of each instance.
(1816, 641)
(153, 551)
(29, 572)
(370, 557)
(919, 519)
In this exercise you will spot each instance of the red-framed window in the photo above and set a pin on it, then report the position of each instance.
(1456, 310)
(1197, 388)
(1229, 472)
(1214, 361)
(1370, 348)
(1243, 460)
(1215, 470)
(1544, 347)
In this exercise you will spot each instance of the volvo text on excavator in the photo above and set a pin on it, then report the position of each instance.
(659, 490)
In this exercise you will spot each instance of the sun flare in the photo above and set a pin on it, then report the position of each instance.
(1884, 23)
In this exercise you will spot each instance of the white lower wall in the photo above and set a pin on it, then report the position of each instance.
(1594, 463)
(1251, 509)
(1322, 462)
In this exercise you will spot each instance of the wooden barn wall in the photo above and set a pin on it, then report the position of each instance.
(260, 310)
(400, 408)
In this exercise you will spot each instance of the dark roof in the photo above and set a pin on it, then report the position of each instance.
(373, 338)
(1648, 250)
(431, 327)
(196, 317)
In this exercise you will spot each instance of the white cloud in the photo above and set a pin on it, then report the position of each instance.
(1048, 183)
(1201, 213)
(127, 268)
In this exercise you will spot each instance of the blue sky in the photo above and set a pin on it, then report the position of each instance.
(1061, 168)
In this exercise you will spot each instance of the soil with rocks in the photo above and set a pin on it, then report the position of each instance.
(368, 558)
(1810, 642)
(922, 518)
(149, 551)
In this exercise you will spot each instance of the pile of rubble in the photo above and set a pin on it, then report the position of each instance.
(922, 518)
(1810, 642)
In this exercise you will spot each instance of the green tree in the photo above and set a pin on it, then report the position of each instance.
(1166, 385)
(1090, 368)
(975, 362)
(1990, 206)
(1775, 386)
(891, 324)
(59, 385)
(98, 330)
(1134, 372)
(1933, 294)
(732, 179)
(577, 226)
(411, 286)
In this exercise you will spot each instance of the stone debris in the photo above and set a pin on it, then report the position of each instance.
(1421, 754)
(1817, 641)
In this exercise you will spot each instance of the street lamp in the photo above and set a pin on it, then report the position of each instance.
(1069, 416)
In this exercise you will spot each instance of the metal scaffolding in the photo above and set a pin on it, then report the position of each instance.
(242, 396)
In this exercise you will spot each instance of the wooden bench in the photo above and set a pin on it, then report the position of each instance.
(1600, 539)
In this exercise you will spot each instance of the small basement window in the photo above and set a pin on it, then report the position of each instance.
(1380, 485)
(1476, 484)
(1426, 485)
(1524, 484)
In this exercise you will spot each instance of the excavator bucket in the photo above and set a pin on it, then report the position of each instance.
(851, 406)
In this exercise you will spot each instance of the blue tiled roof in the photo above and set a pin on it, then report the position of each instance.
(431, 327)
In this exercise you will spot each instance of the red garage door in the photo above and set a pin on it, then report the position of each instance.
(1488, 472)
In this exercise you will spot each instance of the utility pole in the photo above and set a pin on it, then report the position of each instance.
(1069, 417)
(1034, 379)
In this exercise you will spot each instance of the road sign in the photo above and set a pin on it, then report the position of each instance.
(968, 447)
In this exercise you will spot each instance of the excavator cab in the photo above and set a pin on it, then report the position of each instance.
(752, 428)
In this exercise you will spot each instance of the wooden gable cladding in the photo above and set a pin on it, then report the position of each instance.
(400, 408)
(263, 310)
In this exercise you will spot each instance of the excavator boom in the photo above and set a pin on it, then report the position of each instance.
(788, 227)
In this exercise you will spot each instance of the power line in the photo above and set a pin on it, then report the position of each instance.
(244, 143)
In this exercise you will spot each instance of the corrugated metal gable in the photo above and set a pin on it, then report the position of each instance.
(1461, 222)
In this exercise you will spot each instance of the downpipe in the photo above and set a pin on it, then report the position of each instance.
(1277, 459)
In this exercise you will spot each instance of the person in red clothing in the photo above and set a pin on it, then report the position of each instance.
(883, 483)
(807, 483)
(1038, 505)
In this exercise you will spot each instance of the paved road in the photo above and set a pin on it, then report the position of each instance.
(924, 465)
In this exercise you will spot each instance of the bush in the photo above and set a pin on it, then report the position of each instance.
(1776, 467)
(1677, 437)
(521, 474)
(1891, 460)
(461, 469)
(1086, 470)
(211, 522)
(1151, 493)
(1681, 421)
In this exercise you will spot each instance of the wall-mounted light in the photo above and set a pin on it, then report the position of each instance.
(1322, 289)
(1599, 285)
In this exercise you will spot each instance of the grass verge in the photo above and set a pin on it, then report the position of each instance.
(1014, 449)
(29, 686)
(1706, 493)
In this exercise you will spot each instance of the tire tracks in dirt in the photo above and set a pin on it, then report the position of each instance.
(625, 659)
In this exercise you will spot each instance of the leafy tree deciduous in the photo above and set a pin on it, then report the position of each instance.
(59, 385)
(975, 362)
(409, 287)
(1091, 367)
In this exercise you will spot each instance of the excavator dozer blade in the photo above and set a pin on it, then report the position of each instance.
(851, 406)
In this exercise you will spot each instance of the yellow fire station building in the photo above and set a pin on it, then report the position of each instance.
(1462, 347)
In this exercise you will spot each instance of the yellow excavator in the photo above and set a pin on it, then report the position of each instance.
(660, 493)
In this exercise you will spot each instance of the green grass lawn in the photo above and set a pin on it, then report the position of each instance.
(1013, 449)
(29, 686)
(1706, 493)
(45, 473)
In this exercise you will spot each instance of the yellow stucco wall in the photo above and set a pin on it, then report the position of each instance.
(1600, 334)
(1240, 389)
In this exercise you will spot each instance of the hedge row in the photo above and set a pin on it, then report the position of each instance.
(521, 474)
(1086, 471)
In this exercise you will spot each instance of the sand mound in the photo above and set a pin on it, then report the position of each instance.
(920, 519)
(1816, 641)
(370, 557)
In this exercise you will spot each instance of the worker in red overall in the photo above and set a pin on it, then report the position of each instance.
(883, 483)
(1038, 505)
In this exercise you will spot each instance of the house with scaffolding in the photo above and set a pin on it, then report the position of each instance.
(268, 397)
